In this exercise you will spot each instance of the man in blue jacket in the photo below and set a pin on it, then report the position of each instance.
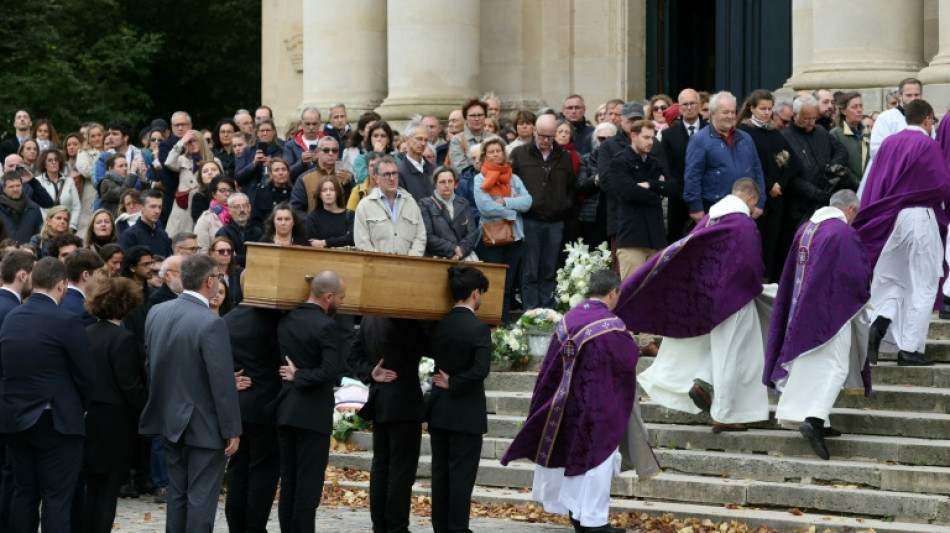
(717, 156)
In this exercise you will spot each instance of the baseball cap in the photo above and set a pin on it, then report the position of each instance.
(632, 110)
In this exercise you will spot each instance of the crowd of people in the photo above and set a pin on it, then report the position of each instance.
(129, 364)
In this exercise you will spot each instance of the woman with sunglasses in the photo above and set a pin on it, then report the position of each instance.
(217, 214)
(222, 251)
(659, 104)
(185, 159)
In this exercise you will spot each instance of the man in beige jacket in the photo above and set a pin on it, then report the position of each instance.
(388, 219)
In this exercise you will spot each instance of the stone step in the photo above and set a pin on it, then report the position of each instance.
(755, 518)
(939, 329)
(758, 467)
(884, 373)
(849, 420)
(937, 350)
(884, 397)
(925, 508)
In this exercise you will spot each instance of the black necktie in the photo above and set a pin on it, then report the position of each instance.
(691, 128)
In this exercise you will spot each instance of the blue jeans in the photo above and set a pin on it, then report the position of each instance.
(159, 467)
(509, 255)
(542, 244)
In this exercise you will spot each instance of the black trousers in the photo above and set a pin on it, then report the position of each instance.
(99, 501)
(46, 465)
(303, 464)
(455, 459)
(194, 483)
(252, 477)
(6, 485)
(395, 459)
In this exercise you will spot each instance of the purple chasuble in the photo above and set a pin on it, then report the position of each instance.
(908, 171)
(825, 282)
(695, 283)
(584, 394)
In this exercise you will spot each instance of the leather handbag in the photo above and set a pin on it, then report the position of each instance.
(498, 233)
(181, 198)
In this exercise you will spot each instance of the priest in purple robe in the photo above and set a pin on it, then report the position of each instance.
(704, 295)
(817, 342)
(584, 424)
(902, 224)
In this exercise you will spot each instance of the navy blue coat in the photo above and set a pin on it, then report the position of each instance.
(8, 302)
(73, 302)
(45, 360)
(250, 176)
(31, 222)
(141, 234)
(239, 236)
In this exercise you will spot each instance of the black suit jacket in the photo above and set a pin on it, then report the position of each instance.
(256, 351)
(675, 140)
(8, 302)
(400, 343)
(461, 346)
(310, 339)
(44, 360)
(159, 296)
(120, 376)
(74, 302)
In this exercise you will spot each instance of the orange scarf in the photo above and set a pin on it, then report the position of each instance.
(497, 179)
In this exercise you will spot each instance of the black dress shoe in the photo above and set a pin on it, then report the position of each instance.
(815, 438)
(875, 336)
(905, 358)
(578, 528)
(701, 396)
(128, 491)
(945, 310)
(830, 432)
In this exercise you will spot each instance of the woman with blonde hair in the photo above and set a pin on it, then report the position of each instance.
(91, 149)
(55, 224)
(185, 159)
(101, 230)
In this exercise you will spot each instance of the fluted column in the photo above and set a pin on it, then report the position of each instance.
(433, 57)
(881, 43)
(344, 54)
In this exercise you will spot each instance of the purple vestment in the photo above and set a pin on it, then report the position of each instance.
(825, 282)
(908, 171)
(584, 394)
(695, 283)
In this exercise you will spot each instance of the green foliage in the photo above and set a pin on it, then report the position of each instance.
(74, 61)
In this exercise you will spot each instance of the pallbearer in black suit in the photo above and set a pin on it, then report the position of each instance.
(16, 269)
(461, 347)
(253, 471)
(48, 379)
(386, 355)
(310, 342)
(117, 402)
(81, 268)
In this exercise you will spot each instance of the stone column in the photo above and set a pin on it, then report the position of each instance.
(281, 72)
(936, 77)
(882, 43)
(801, 39)
(434, 56)
(344, 55)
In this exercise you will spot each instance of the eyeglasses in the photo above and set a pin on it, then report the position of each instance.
(240, 207)
(156, 140)
(601, 139)
(179, 124)
(476, 116)
(145, 264)
(543, 136)
(225, 190)
(688, 104)
(226, 251)
(388, 175)
(661, 107)
(573, 107)
(193, 141)
(191, 249)
(330, 150)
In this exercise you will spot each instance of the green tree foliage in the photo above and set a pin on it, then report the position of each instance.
(74, 61)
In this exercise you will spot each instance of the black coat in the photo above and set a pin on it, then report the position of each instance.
(256, 351)
(550, 182)
(400, 343)
(608, 150)
(639, 211)
(238, 236)
(444, 234)
(117, 402)
(675, 140)
(817, 150)
(419, 184)
(309, 338)
(265, 200)
(250, 176)
(461, 345)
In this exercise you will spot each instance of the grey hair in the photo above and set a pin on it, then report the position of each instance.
(746, 187)
(195, 269)
(803, 101)
(386, 159)
(335, 105)
(240, 112)
(895, 93)
(714, 100)
(236, 196)
(490, 95)
(608, 129)
(475, 152)
(179, 114)
(602, 282)
(324, 139)
(165, 265)
(781, 104)
(325, 281)
(311, 108)
(415, 122)
(844, 199)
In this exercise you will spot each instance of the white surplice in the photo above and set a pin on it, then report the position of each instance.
(586, 497)
(731, 357)
(906, 279)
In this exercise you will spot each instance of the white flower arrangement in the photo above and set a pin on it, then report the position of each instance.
(573, 277)
(426, 368)
(509, 347)
(540, 319)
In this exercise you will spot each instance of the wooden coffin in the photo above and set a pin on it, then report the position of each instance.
(376, 284)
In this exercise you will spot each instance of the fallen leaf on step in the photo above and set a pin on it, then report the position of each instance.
(147, 517)
(796, 512)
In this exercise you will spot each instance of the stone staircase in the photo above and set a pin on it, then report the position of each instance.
(890, 471)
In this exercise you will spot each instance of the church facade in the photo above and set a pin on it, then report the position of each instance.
(401, 57)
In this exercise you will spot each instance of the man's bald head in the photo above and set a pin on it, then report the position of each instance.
(11, 162)
(688, 100)
(544, 129)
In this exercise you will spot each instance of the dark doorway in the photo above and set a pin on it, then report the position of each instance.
(712, 45)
